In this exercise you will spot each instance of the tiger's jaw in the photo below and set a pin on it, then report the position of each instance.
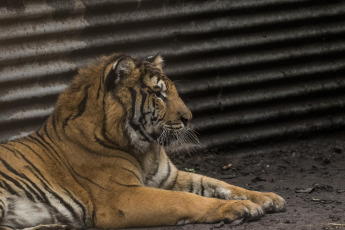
(161, 134)
(177, 134)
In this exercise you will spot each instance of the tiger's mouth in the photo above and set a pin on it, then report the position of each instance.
(177, 133)
(174, 126)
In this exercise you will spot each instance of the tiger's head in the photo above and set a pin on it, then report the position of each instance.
(154, 111)
(124, 102)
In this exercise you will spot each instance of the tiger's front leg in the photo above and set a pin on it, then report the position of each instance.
(209, 187)
(145, 206)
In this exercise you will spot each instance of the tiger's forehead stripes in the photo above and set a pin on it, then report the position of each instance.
(152, 76)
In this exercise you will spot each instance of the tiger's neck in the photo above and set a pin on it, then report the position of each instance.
(91, 135)
(97, 153)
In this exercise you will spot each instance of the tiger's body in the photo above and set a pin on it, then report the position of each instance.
(96, 162)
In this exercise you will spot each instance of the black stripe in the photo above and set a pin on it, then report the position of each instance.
(43, 143)
(191, 186)
(157, 161)
(109, 80)
(45, 198)
(133, 173)
(9, 189)
(18, 141)
(154, 117)
(141, 80)
(149, 177)
(126, 185)
(64, 123)
(2, 211)
(54, 126)
(160, 119)
(22, 176)
(77, 202)
(67, 206)
(47, 134)
(42, 138)
(142, 118)
(28, 180)
(141, 166)
(172, 185)
(131, 122)
(82, 104)
(11, 150)
(33, 166)
(138, 128)
(153, 102)
(105, 135)
(32, 191)
(99, 88)
(133, 96)
(41, 195)
(87, 179)
(104, 144)
(35, 141)
(113, 156)
(202, 187)
(15, 182)
(62, 201)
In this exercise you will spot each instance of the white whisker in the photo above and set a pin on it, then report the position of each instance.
(180, 141)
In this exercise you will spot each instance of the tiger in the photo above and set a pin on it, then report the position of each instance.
(99, 160)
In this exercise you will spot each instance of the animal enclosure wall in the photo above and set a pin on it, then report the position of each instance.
(250, 71)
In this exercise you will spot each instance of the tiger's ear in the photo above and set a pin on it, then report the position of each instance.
(119, 70)
(156, 60)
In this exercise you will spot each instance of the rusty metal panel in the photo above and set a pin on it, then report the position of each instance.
(252, 72)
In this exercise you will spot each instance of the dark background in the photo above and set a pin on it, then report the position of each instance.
(254, 73)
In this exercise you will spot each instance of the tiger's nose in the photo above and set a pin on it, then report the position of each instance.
(185, 118)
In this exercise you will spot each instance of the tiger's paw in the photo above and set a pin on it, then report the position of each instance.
(233, 210)
(270, 202)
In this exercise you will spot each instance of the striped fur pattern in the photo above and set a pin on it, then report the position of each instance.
(99, 160)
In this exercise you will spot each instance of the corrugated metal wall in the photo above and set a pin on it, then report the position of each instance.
(250, 71)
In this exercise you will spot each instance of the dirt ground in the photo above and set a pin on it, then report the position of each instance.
(308, 173)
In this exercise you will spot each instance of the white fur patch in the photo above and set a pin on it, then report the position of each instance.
(218, 192)
(223, 193)
(163, 87)
(114, 66)
(24, 213)
(243, 197)
(163, 176)
(182, 222)
(140, 146)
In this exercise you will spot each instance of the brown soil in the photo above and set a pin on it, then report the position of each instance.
(309, 174)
